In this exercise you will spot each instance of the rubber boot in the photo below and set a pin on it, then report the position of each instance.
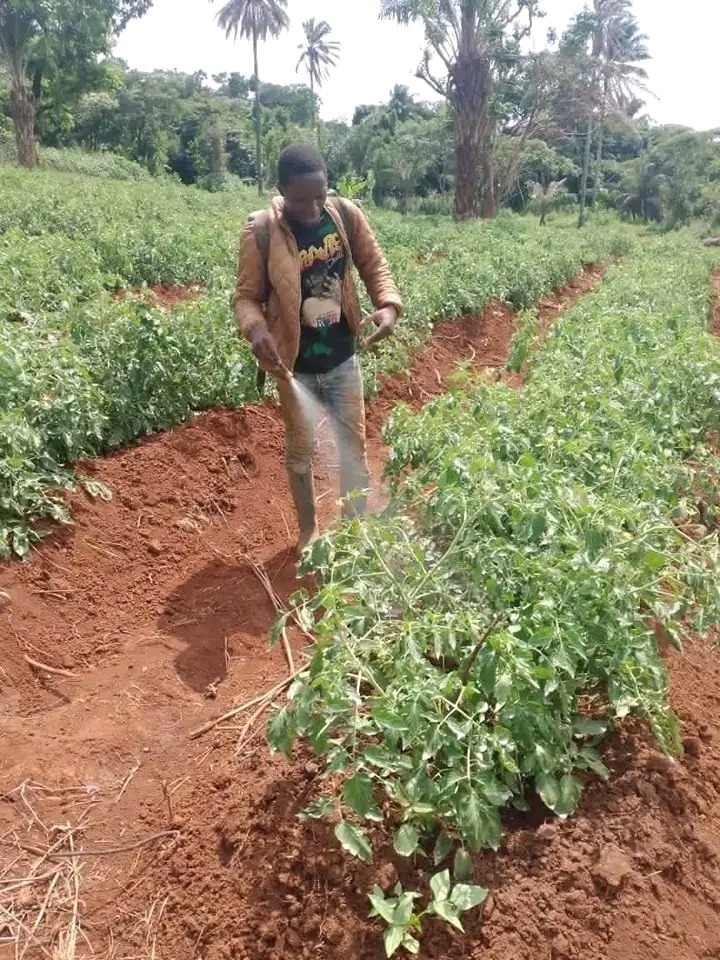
(302, 489)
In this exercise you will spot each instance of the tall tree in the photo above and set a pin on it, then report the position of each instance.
(403, 161)
(255, 20)
(471, 39)
(620, 47)
(401, 105)
(606, 44)
(18, 25)
(578, 54)
(318, 55)
(49, 34)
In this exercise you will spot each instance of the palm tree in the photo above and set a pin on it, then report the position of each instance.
(620, 46)
(318, 55)
(401, 105)
(607, 43)
(255, 20)
(18, 25)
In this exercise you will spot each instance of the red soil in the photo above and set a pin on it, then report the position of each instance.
(152, 602)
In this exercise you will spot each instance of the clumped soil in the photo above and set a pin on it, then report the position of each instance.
(152, 602)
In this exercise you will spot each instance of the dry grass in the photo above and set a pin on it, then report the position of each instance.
(39, 896)
(42, 869)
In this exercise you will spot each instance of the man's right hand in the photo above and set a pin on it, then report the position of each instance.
(266, 353)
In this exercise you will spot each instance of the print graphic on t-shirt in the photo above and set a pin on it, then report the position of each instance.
(321, 283)
(325, 336)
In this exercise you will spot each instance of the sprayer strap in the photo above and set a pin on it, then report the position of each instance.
(261, 232)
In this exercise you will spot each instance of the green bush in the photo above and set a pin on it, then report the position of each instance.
(110, 166)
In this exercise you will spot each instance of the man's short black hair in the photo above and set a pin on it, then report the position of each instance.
(297, 160)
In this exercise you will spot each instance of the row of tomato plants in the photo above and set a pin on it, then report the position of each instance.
(477, 641)
(81, 372)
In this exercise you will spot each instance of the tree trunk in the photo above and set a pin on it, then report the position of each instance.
(313, 118)
(468, 98)
(466, 173)
(585, 173)
(258, 119)
(597, 178)
(489, 198)
(23, 114)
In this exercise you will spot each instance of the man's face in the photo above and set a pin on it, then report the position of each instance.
(305, 198)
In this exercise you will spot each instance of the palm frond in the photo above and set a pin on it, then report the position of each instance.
(253, 18)
(404, 11)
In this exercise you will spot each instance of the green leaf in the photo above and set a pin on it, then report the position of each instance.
(440, 885)
(585, 727)
(279, 627)
(358, 794)
(406, 840)
(389, 720)
(379, 757)
(354, 840)
(338, 760)
(570, 790)
(458, 729)
(479, 822)
(486, 671)
(281, 732)
(318, 808)
(548, 789)
(495, 792)
(382, 906)
(462, 867)
(562, 795)
(317, 732)
(393, 938)
(591, 758)
(654, 560)
(97, 489)
(443, 846)
(411, 944)
(448, 912)
(466, 896)
(402, 915)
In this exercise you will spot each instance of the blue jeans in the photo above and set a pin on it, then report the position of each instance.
(338, 393)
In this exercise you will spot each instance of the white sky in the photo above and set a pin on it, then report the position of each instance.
(182, 35)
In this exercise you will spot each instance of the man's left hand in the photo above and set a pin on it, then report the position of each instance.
(384, 321)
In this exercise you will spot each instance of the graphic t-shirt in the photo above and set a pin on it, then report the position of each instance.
(326, 339)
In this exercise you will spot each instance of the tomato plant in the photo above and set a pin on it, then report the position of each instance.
(475, 642)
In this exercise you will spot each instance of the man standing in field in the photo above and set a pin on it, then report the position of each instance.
(296, 302)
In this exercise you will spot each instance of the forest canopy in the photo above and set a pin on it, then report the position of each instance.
(564, 127)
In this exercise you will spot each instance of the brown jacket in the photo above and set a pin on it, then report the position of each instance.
(278, 308)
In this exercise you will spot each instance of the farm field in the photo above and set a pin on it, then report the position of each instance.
(497, 643)
(83, 371)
